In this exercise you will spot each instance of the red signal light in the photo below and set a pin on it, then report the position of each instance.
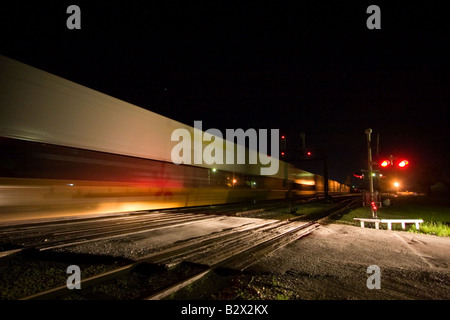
(385, 163)
(374, 206)
(403, 163)
(308, 153)
(282, 153)
(282, 137)
(359, 176)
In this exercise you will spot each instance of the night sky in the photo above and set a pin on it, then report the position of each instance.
(300, 66)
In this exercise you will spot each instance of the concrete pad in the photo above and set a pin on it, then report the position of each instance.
(333, 263)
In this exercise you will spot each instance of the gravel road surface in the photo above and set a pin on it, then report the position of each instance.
(332, 263)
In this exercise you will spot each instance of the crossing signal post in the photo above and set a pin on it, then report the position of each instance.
(385, 164)
(369, 162)
(282, 146)
(316, 154)
(305, 154)
(283, 156)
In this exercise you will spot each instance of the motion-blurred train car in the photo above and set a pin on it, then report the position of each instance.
(66, 149)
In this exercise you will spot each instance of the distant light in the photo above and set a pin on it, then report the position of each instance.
(396, 184)
(308, 153)
(282, 137)
(214, 169)
(282, 153)
(254, 183)
(234, 180)
(355, 174)
(70, 184)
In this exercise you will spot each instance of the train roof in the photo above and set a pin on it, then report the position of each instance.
(42, 107)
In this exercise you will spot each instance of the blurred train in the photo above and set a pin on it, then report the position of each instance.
(66, 149)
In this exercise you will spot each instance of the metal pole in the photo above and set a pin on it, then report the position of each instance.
(303, 140)
(369, 164)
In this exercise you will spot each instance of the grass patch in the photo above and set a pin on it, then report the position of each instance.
(434, 212)
(435, 228)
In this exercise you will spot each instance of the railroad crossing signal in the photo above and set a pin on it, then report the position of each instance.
(403, 163)
(283, 145)
(374, 206)
(392, 161)
(385, 163)
(312, 154)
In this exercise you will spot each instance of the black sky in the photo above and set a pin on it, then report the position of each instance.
(300, 66)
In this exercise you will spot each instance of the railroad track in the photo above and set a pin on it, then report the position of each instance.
(60, 234)
(226, 250)
(233, 249)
